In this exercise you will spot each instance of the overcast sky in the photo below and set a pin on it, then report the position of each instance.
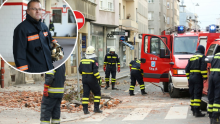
(208, 10)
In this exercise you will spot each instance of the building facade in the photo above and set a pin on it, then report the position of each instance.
(172, 13)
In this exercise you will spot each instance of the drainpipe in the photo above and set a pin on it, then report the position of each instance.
(2, 73)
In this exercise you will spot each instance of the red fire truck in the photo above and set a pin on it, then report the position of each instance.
(164, 58)
(213, 46)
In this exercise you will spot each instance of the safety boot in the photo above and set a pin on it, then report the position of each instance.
(85, 109)
(143, 92)
(131, 93)
(107, 85)
(97, 110)
(198, 113)
(86, 112)
(113, 86)
(215, 121)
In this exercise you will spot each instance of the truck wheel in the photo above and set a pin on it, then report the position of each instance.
(174, 92)
(203, 106)
(165, 86)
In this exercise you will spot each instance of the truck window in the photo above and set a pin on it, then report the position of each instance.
(203, 42)
(217, 50)
(146, 44)
(185, 45)
(156, 44)
(211, 49)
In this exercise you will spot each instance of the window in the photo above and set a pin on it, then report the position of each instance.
(150, 1)
(156, 44)
(171, 5)
(136, 15)
(185, 45)
(119, 10)
(150, 15)
(110, 7)
(168, 5)
(101, 5)
(168, 20)
(71, 18)
(203, 42)
(211, 49)
(150, 31)
(123, 12)
(57, 16)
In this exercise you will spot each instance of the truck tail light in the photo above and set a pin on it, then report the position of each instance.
(175, 71)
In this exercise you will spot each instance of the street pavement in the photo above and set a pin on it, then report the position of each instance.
(68, 45)
(154, 108)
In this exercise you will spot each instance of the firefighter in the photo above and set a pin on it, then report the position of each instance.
(214, 90)
(136, 74)
(91, 80)
(111, 59)
(32, 42)
(196, 73)
(52, 95)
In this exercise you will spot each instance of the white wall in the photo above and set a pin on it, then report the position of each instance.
(11, 16)
(64, 27)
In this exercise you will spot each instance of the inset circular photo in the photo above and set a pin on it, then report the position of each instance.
(37, 35)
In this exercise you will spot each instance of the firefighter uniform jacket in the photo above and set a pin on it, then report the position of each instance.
(32, 46)
(89, 69)
(135, 65)
(111, 60)
(55, 79)
(196, 65)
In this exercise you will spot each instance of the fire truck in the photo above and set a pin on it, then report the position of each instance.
(164, 58)
(212, 40)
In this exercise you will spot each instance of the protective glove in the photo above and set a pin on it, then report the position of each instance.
(130, 68)
(118, 69)
(100, 82)
(104, 68)
(46, 90)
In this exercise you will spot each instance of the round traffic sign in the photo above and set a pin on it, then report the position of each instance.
(122, 38)
(79, 19)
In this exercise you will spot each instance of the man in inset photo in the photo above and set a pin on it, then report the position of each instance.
(32, 42)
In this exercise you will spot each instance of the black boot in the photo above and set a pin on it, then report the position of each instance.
(107, 85)
(113, 86)
(198, 113)
(96, 107)
(85, 109)
(143, 92)
(131, 92)
(215, 121)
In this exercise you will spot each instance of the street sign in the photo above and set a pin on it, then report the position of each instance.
(122, 38)
(80, 19)
(117, 33)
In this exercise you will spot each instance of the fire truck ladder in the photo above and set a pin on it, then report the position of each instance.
(158, 86)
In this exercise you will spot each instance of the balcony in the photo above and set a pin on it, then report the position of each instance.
(86, 7)
(129, 24)
(129, 0)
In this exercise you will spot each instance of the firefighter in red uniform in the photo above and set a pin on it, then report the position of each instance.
(136, 74)
(214, 90)
(91, 80)
(52, 96)
(196, 73)
(111, 59)
(31, 42)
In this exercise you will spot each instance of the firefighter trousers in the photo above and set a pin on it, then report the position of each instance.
(91, 84)
(136, 76)
(50, 108)
(195, 90)
(214, 95)
(111, 69)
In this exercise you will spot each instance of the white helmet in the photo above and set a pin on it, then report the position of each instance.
(112, 50)
(90, 50)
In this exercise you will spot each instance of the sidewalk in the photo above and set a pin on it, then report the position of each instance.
(30, 115)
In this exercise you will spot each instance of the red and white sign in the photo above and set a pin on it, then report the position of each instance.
(79, 19)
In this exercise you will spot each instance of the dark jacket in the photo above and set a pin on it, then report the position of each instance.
(111, 60)
(196, 65)
(32, 46)
(55, 79)
(89, 68)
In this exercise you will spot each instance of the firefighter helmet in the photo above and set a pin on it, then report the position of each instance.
(57, 52)
(112, 49)
(90, 50)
